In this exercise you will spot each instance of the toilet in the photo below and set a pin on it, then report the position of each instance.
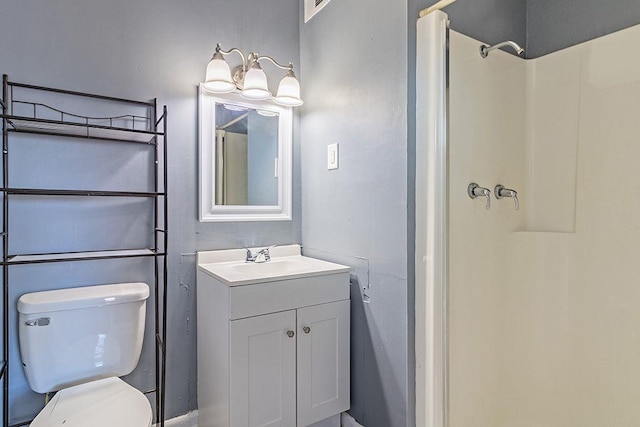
(78, 342)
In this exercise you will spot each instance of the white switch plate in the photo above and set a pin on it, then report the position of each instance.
(332, 156)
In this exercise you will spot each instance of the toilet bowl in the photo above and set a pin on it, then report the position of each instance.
(77, 342)
(108, 402)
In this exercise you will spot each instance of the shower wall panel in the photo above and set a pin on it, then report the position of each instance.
(575, 306)
(552, 102)
(544, 303)
(487, 145)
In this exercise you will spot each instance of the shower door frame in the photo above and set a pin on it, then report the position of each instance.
(432, 207)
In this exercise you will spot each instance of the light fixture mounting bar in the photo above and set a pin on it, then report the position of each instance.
(274, 62)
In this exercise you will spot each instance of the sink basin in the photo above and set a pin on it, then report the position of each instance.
(275, 267)
(230, 267)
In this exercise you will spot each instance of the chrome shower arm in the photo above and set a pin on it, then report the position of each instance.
(485, 49)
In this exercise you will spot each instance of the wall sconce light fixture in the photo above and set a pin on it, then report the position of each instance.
(250, 79)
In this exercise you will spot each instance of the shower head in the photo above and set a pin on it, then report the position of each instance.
(484, 49)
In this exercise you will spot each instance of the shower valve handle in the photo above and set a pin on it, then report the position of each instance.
(500, 191)
(474, 190)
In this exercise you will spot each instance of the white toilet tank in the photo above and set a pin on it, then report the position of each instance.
(72, 336)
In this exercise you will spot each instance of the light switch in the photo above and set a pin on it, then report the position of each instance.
(332, 156)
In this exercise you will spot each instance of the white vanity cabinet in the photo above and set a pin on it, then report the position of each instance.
(272, 353)
(288, 360)
(323, 361)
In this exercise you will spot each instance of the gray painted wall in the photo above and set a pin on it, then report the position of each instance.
(491, 21)
(554, 25)
(145, 49)
(354, 56)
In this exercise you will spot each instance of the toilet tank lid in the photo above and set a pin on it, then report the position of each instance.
(84, 297)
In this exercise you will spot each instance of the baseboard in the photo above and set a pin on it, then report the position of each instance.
(187, 420)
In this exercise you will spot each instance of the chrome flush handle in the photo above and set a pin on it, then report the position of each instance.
(501, 191)
(43, 321)
(474, 190)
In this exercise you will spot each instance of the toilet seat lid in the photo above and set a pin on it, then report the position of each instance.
(102, 403)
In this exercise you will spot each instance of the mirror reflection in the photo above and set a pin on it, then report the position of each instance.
(246, 156)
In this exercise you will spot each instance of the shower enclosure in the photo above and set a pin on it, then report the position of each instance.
(527, 317)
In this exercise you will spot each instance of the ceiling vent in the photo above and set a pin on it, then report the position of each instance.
(311, 7)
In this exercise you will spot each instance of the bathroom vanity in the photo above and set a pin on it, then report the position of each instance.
(273, 339)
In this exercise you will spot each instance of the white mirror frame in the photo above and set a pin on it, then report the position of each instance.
(208, 210)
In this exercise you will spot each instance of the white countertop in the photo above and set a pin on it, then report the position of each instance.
(229, 266)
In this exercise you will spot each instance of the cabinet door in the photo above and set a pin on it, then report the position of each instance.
(262, 371)
(323, 361)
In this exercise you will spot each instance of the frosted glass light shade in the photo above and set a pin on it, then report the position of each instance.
(289, 91)
(255, 83)
(218, 76)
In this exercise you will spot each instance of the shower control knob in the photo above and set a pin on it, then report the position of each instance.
(501, 191)
(290, 333)
(474, 190)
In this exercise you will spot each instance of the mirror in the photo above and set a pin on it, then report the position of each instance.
(245, 159)
(246, 142)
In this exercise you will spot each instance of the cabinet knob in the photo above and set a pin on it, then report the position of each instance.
(290, 334)
(306, 329)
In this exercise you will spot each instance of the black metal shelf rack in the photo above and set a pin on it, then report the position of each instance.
(146, 129)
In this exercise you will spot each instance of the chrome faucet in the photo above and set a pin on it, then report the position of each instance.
(262, 255)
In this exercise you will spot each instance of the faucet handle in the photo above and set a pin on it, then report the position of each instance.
(263, 254)
(501, 191)
(474, 190)
(260, 256)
